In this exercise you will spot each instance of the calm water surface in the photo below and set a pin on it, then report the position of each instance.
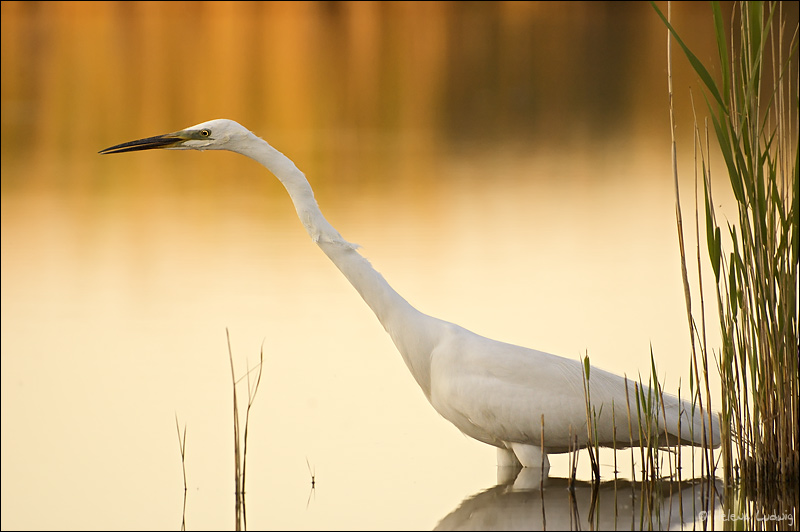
(115, 306)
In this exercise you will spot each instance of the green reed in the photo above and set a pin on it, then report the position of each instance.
(754, 116)
(592, 441)
(649, 406)
(659, 454)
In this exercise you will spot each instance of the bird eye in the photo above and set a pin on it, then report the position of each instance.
(205, 132)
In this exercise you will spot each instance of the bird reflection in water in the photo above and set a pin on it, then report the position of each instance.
(525, 500)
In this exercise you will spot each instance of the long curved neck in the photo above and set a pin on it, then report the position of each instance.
(416, 342)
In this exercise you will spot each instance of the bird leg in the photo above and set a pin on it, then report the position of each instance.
(530, 455)
(507, 458)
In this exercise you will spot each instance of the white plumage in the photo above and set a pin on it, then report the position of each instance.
(492, 391)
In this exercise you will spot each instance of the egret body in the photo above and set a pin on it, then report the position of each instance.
(492, 391)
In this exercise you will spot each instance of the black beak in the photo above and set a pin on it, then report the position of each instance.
(150, 143)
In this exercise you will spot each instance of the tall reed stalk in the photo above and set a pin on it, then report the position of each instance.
(182, 444)
(240, 436)
(754, 115)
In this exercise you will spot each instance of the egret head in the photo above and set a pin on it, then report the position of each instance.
(220, 134)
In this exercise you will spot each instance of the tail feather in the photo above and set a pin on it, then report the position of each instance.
(696, 426)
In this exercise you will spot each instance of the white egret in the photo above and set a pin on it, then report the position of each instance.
(492, 391)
